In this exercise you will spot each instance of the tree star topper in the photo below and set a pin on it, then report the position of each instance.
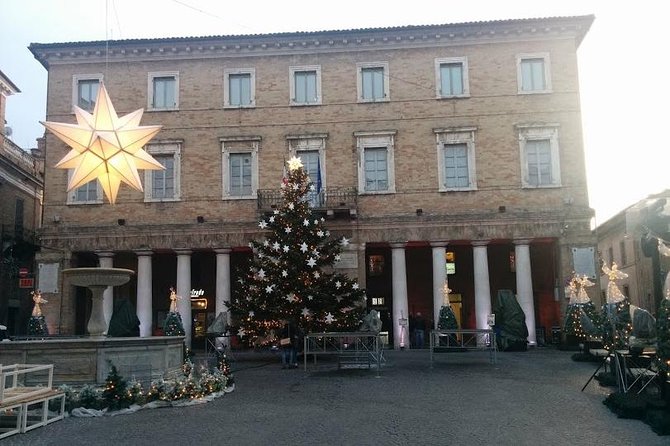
(105, 146)
(294, 163)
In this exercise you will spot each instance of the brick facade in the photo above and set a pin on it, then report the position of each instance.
(498, 209)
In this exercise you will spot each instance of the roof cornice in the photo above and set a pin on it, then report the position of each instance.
(574, 27)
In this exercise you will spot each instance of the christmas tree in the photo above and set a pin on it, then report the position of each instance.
(581, 317)
(290, 276)
(115, 393)
(617, 323)
(173, 325)
(447, 318)
(37, 325)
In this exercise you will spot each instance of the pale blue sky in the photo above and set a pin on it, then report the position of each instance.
(624, 68)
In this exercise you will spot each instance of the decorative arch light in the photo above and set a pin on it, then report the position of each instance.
(105, 147)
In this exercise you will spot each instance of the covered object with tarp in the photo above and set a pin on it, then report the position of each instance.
(511, 330)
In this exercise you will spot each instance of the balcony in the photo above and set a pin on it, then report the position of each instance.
(333, 201)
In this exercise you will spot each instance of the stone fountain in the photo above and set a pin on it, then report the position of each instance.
(97, 280)
(85, 360)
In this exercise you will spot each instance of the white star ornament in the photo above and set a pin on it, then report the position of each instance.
(106, 147)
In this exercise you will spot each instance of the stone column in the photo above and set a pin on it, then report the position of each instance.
(400, 305)
(223, 282)
(106, 260)
(482, 285)
(144, 292)
(184, 291)
(439, 278)
(362, 266)
(524, 286)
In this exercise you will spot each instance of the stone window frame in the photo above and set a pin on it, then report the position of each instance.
(376, 139)
(359, 81)
(167, 147)
(547, 72)
(76, 78)
(71, 198)
(299, 69)
(150, 90)
(226, 87)
(456, 135)
(463, 60)
(239, 144)
(538, 132)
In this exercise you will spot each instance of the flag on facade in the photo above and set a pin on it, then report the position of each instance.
(318, 175)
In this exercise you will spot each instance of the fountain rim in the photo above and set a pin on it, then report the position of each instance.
(93, 269)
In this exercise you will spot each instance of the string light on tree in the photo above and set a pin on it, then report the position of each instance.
(617, 323)
(300, 283)
(581, 317)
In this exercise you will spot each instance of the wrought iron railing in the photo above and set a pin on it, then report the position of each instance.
(330, 199)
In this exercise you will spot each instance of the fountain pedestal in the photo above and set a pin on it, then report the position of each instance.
(97, 280)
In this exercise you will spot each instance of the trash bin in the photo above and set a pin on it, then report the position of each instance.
(555, 334)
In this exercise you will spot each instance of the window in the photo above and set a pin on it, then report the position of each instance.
(239, 170)
(533, 74)
(18, 218)
(239, 88)
(311, 151)
(610, 254)
(163, 91)
(452, 77)
(164, 185)
(376, 169)
(622, 248)
(305, 85)
(539, 156)
(89, 193)
(85, 90)
(376, 173)
(456, 158)
(373, 82)
(240, 166)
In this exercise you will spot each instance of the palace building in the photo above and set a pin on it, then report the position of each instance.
(443, 153)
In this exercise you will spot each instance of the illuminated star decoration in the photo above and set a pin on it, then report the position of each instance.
(294, 163)
(105, 147)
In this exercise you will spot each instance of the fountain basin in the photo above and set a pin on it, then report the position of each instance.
(97, 280)
(85, 360)
(104, 277)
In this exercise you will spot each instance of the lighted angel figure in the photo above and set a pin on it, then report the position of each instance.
(446, 290)
(571, 288)
(583, 283)
(613, 293)
(173, 300)
(37, 298)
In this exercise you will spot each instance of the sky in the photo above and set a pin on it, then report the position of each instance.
(623, 62)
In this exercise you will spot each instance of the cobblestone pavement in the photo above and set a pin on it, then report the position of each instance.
(527, 398)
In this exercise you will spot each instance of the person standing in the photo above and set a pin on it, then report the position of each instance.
(288, 342)
(419, 330)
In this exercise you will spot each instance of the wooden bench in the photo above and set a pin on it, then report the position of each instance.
(23, 408)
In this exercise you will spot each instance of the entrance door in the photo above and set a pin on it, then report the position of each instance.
(199, 329)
